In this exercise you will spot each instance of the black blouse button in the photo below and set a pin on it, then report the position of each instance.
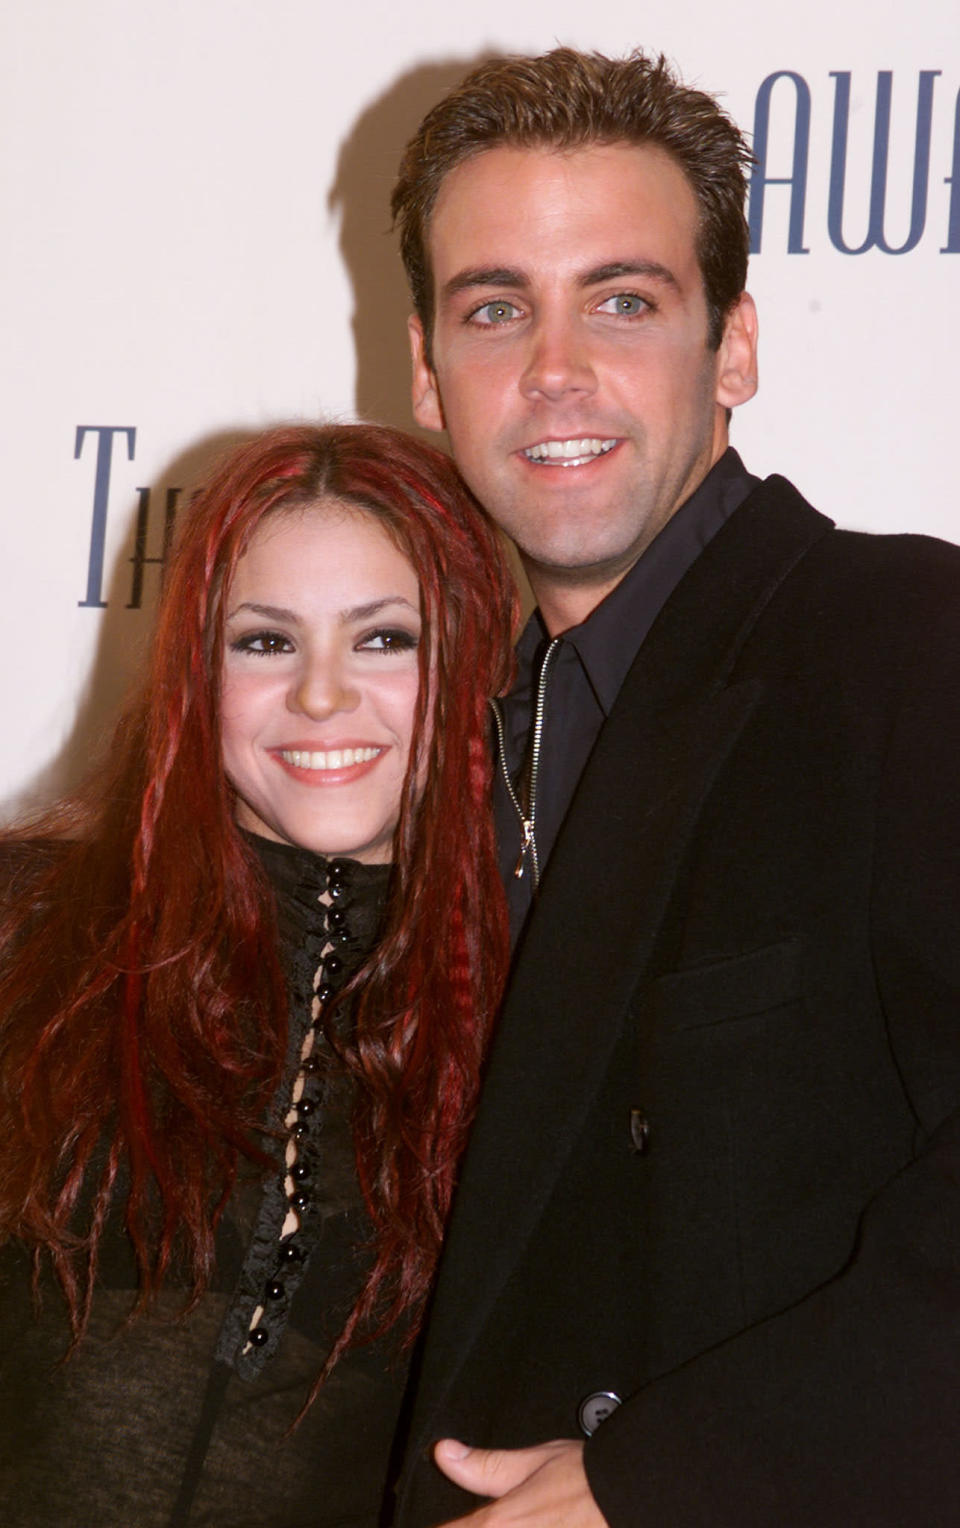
(300, 1129)
(306, 1106)
(288, 1253)
(336, 917)
(274, 1290)
(310, 1064)
(324, 992)
(259, 1336)
(300, 1199)
(300, 1172)
(334, 965)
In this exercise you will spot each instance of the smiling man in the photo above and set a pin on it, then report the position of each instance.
(576, 330)
(704, 1264)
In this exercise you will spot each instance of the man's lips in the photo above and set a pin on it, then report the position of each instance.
(572, 451)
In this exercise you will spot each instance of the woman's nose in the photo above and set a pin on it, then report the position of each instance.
(323, 688)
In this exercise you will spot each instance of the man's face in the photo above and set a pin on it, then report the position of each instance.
(569, 359)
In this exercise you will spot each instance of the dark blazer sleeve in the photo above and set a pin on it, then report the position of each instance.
(845, 1408)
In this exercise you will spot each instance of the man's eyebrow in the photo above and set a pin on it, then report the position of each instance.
(651, 270)
(510, 276)
(484, 276)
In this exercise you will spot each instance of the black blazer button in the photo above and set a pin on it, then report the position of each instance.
(639, 1131)
(595, 1409)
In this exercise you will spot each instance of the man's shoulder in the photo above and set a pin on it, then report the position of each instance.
(778, 494)
(901, 571)
(896, 554)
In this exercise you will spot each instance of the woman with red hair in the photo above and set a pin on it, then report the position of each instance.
(247, 980)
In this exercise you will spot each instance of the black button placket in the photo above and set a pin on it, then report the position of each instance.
(305, 1106)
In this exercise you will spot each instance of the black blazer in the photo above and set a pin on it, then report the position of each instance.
(716, 1168)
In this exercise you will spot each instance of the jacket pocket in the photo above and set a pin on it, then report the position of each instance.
(733, 988)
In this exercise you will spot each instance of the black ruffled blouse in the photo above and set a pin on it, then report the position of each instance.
(173, 1420)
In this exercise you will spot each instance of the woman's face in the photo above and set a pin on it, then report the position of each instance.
(320, 680)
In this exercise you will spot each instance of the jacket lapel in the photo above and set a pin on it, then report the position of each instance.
(675, 722)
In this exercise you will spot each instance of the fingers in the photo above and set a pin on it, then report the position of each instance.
(492, 1471)
(542, 1487)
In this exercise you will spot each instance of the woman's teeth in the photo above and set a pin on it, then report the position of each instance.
(332, 758)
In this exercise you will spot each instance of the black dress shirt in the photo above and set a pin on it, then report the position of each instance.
(586, 672)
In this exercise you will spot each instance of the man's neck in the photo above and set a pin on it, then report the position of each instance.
(563, 605)
(567, 596)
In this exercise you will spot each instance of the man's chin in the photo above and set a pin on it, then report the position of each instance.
(578, 567)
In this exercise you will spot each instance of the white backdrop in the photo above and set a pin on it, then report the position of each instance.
(195, 243)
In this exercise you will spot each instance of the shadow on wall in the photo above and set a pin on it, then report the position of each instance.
(360, 195)
(366, 170)
(122, 647)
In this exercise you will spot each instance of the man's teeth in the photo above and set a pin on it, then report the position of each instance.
(569, 451)
(332, 758)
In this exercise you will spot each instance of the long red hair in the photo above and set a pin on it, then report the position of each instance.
(142, 1004)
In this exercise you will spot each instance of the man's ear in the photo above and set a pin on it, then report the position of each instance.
(737, 358)
(427, 408)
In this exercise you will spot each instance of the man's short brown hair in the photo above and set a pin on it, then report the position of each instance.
(568, 100)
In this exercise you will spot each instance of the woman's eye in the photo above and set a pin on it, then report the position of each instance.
(625, 305)
(389, 640)
(263, 642)
(496, 312)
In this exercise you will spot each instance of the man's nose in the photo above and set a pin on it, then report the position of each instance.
(559, 361)
(323, 687)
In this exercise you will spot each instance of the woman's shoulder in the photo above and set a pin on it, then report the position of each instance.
(24, 861)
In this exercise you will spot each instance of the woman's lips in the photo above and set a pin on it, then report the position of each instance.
(329, 758)
(329, 766)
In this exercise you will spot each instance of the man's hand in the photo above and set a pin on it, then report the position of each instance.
(543, 1487)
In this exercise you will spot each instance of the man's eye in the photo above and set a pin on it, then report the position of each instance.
(624, 304)
(497, 312)
(263, 642)
(389, 640)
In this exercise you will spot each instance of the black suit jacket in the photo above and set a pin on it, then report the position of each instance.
(716, 1167)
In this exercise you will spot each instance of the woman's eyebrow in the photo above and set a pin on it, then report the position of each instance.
(364, 612)
(353, 613)
(269, 612)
